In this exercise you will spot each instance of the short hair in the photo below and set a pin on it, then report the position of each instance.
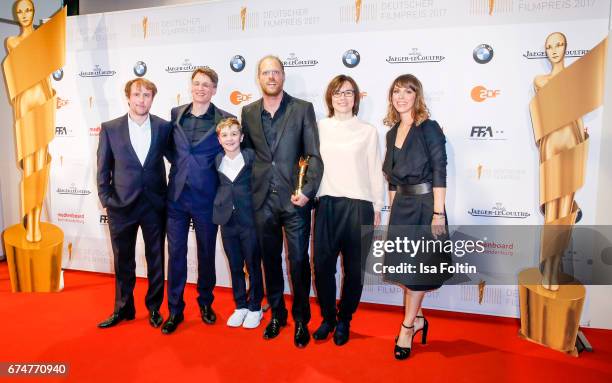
(228, 123)
(141, 82)
(270, 57)
(212, 75)
(335, 84)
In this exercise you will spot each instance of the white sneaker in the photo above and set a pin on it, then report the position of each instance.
(253, 318)
(236, 319)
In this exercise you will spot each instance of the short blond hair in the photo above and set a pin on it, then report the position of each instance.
(228, 123)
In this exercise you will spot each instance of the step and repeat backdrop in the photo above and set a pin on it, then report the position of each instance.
(477, 60)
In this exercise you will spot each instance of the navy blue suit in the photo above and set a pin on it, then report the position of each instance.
(191, 193)
(233, 210)
(134, 195)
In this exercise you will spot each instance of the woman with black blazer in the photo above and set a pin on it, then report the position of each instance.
(415, 167)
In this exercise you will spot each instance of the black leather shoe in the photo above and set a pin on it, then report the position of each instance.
(273, 328)
(208, 315)
(172, 323)
(117, 317)
(155, 318)
(301, 336)
(341, 336)
(324, 330)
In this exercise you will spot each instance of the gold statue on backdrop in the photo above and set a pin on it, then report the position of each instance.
(34, 248)
(563, 156)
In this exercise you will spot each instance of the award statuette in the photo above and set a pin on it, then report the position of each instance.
(34, 248)
(550, 301)
(303, 165)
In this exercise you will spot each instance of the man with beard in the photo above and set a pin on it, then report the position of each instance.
(281, 129)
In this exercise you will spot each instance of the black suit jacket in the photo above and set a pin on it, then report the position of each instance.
(121, 177)
(235, 196)
(297, 136)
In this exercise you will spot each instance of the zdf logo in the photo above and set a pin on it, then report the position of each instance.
(480, 93)
(237, 97)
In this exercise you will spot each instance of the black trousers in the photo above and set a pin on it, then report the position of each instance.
(123, 225)
(270, 221)
(338, 222)
(241, 247)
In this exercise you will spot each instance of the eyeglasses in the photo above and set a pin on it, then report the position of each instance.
(273, 72)
(346, 93)
(208, 85)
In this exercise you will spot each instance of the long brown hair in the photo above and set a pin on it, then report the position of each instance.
(419, 111)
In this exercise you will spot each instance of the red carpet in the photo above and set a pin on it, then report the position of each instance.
(462, 348)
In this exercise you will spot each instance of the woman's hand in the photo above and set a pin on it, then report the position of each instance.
(438, 225)
(377, 218)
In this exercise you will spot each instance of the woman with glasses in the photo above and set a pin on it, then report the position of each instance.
(350, 195)
(415, 166)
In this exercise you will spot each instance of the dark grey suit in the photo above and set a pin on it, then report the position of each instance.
(296, 136)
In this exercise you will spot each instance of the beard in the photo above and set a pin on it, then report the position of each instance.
(272, 93)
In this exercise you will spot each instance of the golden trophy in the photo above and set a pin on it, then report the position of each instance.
(550, 301)
(303, 167)
(34, 248)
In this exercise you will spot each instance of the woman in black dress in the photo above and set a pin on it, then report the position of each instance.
(415, 166)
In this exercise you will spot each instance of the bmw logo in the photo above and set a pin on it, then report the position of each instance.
(140, 69)
(237, 63)
(58, 74)
(351, 58)
(483, 54)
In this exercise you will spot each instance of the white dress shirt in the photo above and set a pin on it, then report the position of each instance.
(230, 167)
(140, 137)
(351, 161)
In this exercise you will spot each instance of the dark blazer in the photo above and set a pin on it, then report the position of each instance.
(235, 197)
(422, 157)
(121, 177)
(195, 162)
(297, 136)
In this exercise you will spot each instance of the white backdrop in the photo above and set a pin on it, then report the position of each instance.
(434, 39)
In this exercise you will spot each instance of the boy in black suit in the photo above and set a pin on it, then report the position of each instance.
(233, 211)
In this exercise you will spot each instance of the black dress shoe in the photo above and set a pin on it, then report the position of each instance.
(208, 315)
(273, 328)
(117, 317)
(324, 330)
(301, 336)
(341, 336)
(155, 318)
(172, 323)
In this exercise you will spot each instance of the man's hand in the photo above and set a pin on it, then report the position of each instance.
(300, 200)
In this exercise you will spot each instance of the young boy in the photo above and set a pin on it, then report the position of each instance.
(233, 211)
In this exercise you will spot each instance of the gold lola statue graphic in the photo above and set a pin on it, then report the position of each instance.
(145, 27)
(243, 16)
(357, 10)
(34, 248)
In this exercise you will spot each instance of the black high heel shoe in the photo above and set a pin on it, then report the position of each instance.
(402, 353)
(425, 329)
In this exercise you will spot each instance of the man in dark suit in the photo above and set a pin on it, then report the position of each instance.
(192, 188)
(132, 187)
(281, 129)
